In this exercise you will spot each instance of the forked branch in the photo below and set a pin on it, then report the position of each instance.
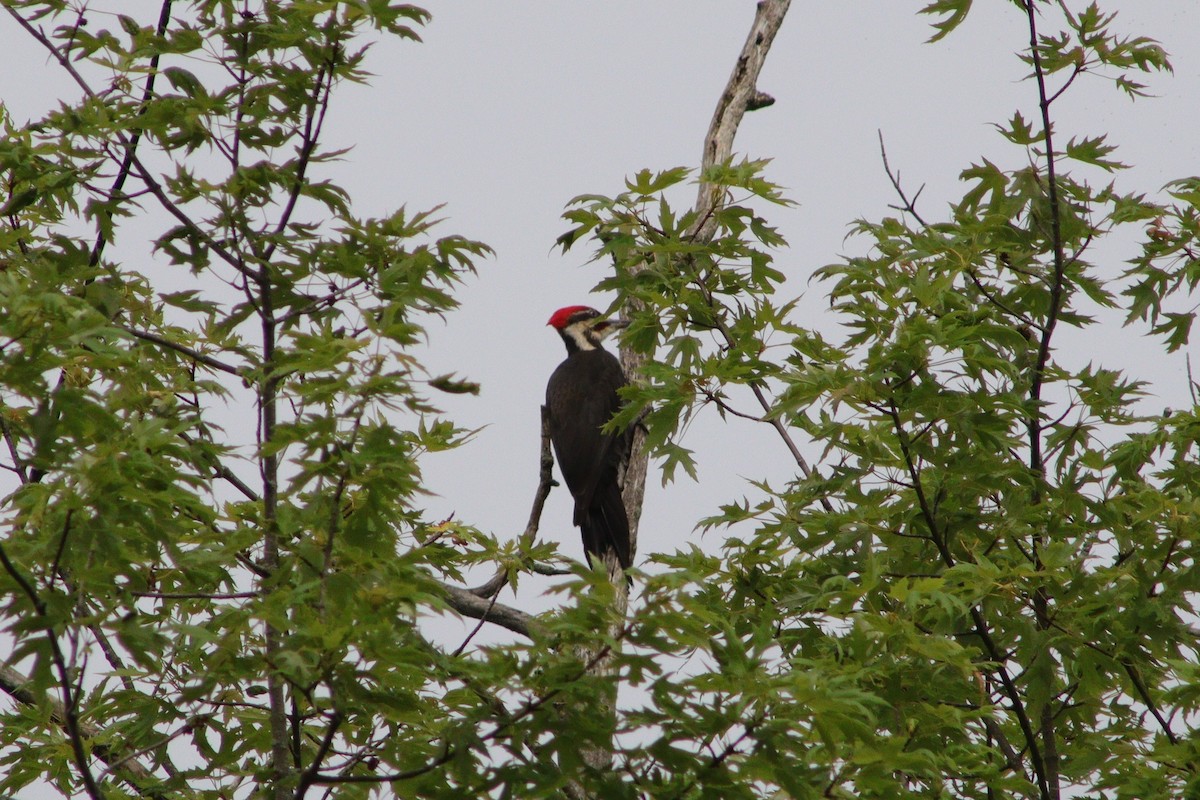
(740, 95)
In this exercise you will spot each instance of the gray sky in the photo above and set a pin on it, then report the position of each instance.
(510, 109)
(506, 134)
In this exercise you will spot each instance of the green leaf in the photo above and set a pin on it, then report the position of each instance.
(954, 11)
(648, 183)
(452, 385)
(184, 81)
(19, 201)
(1093, 151)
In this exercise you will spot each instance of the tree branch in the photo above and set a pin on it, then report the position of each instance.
(314, 769)
(127, 769)
(469, 604)
(909, 205)
(545, 483)
(69, 704)
(18, 462)
(741, 95)
(982, 629)
(1041, 600)
(314, 120)
(199, 357)
(135, 137)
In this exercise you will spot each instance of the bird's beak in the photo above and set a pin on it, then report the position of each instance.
(607, 327)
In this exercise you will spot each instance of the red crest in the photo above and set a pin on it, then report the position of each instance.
(559, 319)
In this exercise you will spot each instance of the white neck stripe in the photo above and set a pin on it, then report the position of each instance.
(581, 334)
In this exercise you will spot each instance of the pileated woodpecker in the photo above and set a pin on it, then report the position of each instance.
(581, 398)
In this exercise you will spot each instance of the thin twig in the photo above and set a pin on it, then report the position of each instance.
(719, 402)
(15, 454)
(1057, 285)
(717, 759)
(991, 298)
(161, 341)
(545, 483)
(478, 627)
(309, 776)
(757, 386)
(158, 747)
(314, 120)
(1048, 760)
(223, 472)
(196, 595)
(909, 205)
(164, 20)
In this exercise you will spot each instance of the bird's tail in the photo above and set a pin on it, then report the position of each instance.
(605, 526)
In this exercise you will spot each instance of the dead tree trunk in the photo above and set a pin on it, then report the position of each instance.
(740, 95)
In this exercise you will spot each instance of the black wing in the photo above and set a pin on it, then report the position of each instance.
(581, 398)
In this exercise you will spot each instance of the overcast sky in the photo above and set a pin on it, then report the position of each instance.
(507, 133)
(508, 110)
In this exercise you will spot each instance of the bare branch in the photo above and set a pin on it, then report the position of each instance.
(741, 95)
(545, 483)
(467, 603)
(909, 205)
